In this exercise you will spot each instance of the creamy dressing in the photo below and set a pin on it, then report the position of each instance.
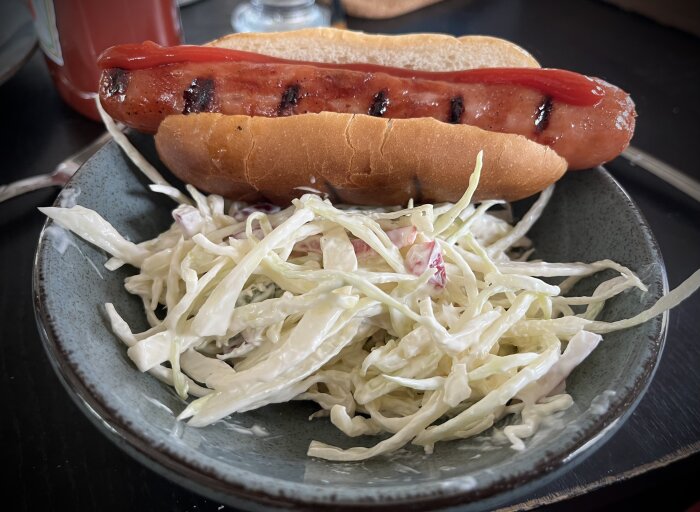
(461, 484)
(255, 430)
(61, 239)
(601, 403)
(158, 404)
(68, 197)
(400, 321)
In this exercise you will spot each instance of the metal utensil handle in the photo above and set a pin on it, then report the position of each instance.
(662, 170)
(26, 185)
(58, 177)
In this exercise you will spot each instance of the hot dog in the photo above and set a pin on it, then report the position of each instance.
(585, 121)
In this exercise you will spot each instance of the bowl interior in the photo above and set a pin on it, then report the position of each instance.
(262, 454)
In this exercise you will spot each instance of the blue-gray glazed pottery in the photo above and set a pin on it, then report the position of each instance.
(589, 218)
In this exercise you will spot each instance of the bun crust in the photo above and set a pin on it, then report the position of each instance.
(358, 159)
(353, 158)
(427, 52)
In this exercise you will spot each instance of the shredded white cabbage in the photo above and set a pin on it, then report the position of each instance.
(419, 322)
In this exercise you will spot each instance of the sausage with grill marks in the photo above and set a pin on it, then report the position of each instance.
(584, 135)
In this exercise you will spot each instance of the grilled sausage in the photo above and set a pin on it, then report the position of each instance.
(584, 135)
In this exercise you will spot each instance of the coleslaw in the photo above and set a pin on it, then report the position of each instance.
(425, 323)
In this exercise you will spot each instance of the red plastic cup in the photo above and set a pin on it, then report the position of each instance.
(73, 33)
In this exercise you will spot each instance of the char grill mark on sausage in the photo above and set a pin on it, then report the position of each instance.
(584, 136)
(199, 96)
(380, 102)
(456, 110)
(417, 189)
(117, 81)
(332, 192)
(542, 114)
(290, 98)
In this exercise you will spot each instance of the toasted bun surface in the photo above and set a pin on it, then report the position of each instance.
(356, 158)
(428, 52)
(353, 158)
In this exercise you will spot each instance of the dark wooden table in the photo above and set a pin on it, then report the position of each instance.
(56, 460)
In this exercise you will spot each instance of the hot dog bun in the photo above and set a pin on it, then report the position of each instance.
(427, 52)
(353, 158)
(356, 158)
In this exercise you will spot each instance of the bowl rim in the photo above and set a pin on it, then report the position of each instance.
(426, 496)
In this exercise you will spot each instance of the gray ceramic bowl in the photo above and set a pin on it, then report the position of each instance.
(589, 218)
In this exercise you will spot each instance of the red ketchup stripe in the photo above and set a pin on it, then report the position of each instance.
(565, 86)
